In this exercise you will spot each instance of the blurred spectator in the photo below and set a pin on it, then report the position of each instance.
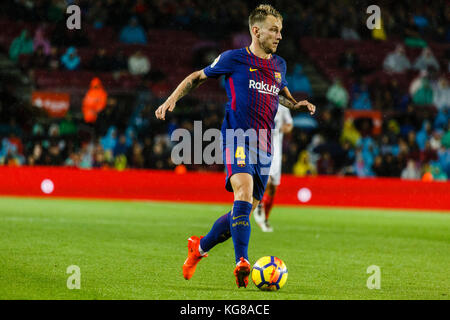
(158, 159)
(53, 156)
(303, 166)
(378, 167)
(99, 160)
(423, 134)
(147, 151)
(97, 15)
(413, 148)
(392, 168)
(435, 140)
(361, 167)
(361, 99)
(53, 59)
(136, 158)
(109, 141)
(350, 133)
(56, 10)
(428, 153)
(36, 157)
(94, 101)
(298, 81)
(70, 60)
(441, 94)
(67, 127)
(325, 164)
(421, 90)
(138, 64)
(349, 60)
(330, 125)
(438, 174)
(39, 60)
(40, 40)
(100, 62)
(119, 62)
(22, 44)
(411, 172)
(413, 33)
(130, 136)
(121, 146)
(348, 32)
(396, 61)
(86, 155)
(426, 60)
(446, 139)
(337, 95)
(133, 33)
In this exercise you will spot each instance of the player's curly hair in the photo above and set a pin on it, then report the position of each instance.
(260, 13)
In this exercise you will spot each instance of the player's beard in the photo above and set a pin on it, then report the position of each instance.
(265, 45)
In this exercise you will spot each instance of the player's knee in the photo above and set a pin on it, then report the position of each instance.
(243, 193)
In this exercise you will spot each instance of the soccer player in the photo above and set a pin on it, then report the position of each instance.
(283, 124)
(255, 84)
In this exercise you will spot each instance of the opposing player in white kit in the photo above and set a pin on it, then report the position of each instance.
(283, 124)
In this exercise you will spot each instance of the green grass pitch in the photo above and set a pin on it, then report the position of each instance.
(135, 250)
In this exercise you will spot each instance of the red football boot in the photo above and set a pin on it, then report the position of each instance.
(241, 272)
(194, 256)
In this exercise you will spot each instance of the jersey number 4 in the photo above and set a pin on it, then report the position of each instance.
(240, 154)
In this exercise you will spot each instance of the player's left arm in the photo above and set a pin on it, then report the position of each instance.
(287, 100)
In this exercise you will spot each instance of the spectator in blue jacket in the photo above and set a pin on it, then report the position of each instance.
(133, 33)
(70, 60)
(298, 81)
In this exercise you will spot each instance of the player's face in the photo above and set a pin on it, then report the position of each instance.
(270, 34)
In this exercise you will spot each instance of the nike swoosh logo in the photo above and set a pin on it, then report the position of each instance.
(234, 218)
(251, 69)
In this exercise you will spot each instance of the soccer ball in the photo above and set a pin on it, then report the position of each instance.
(269, 273)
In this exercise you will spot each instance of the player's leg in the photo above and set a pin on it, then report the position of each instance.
(267, 200)
(269, 195)
(242, 184)
(198, 247)
(219, 233)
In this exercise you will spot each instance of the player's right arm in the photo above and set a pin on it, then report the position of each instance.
(191, 82)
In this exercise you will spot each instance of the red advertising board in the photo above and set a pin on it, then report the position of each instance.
(209, 187)
(55, 103)
(375, 116)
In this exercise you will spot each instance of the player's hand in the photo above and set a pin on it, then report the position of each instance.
(161, 111)
(309, 105)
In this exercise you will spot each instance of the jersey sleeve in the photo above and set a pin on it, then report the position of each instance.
(284, 82)
(222, 65)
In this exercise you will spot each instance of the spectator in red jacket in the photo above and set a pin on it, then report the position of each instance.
(94, 101)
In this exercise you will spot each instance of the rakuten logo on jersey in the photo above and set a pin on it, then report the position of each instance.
(264, 87)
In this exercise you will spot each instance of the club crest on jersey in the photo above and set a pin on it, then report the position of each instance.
(241, 163)
(278, 77)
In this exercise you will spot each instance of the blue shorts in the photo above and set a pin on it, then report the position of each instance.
(241, 159)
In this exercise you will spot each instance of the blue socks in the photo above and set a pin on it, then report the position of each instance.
(219, 232)
(236, 226)
(240, 228)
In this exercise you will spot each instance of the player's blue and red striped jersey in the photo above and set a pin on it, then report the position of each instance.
(252, 85)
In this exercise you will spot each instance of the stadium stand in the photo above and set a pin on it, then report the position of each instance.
(399, 132)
